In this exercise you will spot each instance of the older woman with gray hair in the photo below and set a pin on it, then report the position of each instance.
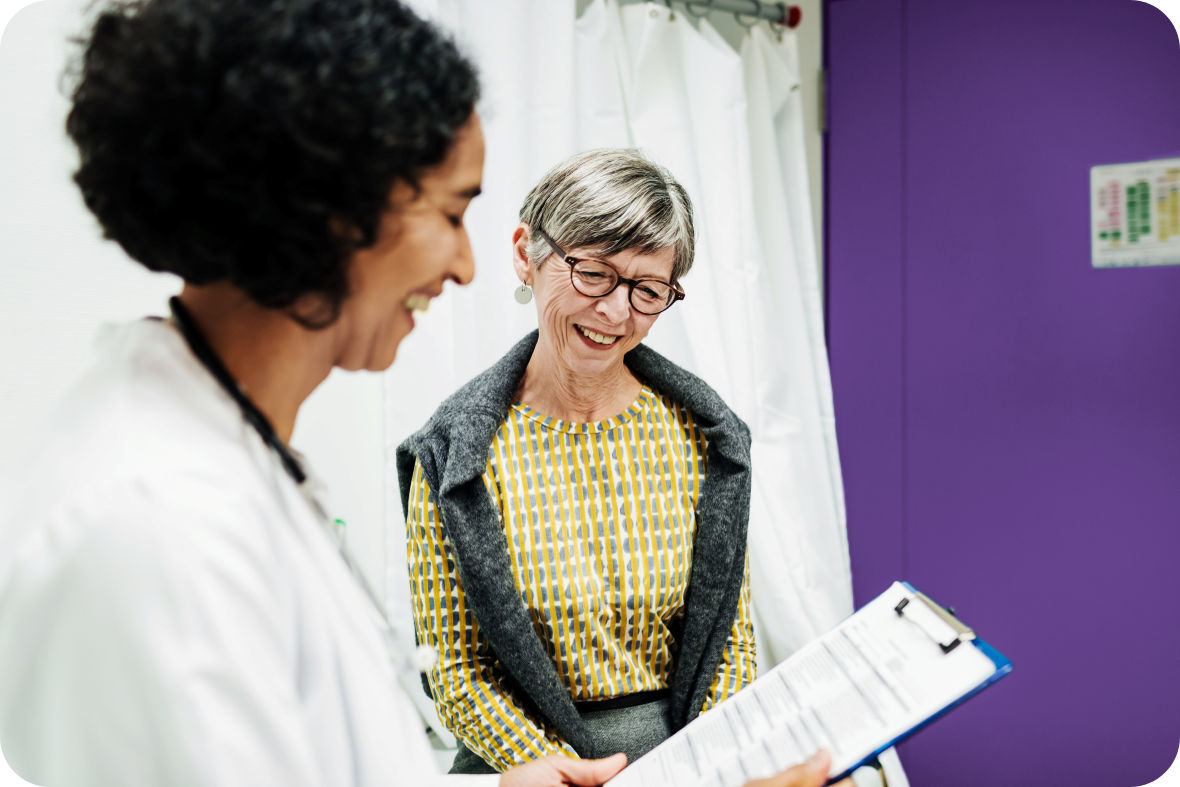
(577, 513)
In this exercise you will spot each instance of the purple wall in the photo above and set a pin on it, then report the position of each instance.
(1009, 417)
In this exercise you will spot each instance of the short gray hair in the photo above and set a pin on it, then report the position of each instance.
(611, 200)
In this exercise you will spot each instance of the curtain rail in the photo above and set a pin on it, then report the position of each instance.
(778, 13)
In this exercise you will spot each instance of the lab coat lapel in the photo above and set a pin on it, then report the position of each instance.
(355, 609)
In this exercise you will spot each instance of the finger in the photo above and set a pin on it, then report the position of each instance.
(590, 772)
(811, 773)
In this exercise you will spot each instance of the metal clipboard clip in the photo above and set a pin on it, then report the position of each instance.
(961, 633)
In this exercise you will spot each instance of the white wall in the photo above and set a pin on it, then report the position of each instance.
(59, 281)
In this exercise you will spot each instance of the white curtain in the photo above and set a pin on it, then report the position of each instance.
(729, 125)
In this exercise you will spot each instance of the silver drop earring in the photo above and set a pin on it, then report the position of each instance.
(523, 294)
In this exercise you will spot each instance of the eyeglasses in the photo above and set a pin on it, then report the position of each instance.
(598, 278)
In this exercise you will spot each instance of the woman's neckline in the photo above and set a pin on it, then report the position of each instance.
(586, 427)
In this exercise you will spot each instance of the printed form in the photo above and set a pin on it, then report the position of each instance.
(865, 683)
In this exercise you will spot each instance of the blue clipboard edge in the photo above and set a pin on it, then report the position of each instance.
(1003, 667)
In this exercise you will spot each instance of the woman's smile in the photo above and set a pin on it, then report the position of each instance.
(594, 339)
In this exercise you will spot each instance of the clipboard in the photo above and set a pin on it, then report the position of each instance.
(962, 634)
(888, 670)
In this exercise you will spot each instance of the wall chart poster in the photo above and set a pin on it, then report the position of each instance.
(1135, 214)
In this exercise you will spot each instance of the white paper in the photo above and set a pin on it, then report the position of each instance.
(853, 690)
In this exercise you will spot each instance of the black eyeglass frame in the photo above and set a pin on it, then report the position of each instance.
(677, 293)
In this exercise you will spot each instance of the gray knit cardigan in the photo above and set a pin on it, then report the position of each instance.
(453, 450)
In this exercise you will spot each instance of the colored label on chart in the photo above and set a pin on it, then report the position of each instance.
(1135, 214)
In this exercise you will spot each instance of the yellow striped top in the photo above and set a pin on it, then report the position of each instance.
(600, 521)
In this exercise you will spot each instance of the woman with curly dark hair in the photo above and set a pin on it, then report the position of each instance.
(178, 612)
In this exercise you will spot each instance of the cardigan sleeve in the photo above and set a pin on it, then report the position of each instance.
(471, 701)
(737, 668)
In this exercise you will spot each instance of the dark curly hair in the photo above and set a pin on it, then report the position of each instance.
(257, 141)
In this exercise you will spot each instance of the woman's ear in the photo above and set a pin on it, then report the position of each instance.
(520, 254)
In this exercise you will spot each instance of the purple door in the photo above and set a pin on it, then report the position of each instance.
(1008, 416)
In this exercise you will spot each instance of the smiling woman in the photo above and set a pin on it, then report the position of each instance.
(178, 611)
(582, 568)
(421, 244)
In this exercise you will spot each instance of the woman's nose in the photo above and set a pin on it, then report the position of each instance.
(616, 306)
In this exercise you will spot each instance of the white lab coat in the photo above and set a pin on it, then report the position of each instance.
(175, 613)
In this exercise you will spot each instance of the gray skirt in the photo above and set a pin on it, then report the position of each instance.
(635, 731)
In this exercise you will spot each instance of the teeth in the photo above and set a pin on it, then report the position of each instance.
(597, 337)
(417, 303)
